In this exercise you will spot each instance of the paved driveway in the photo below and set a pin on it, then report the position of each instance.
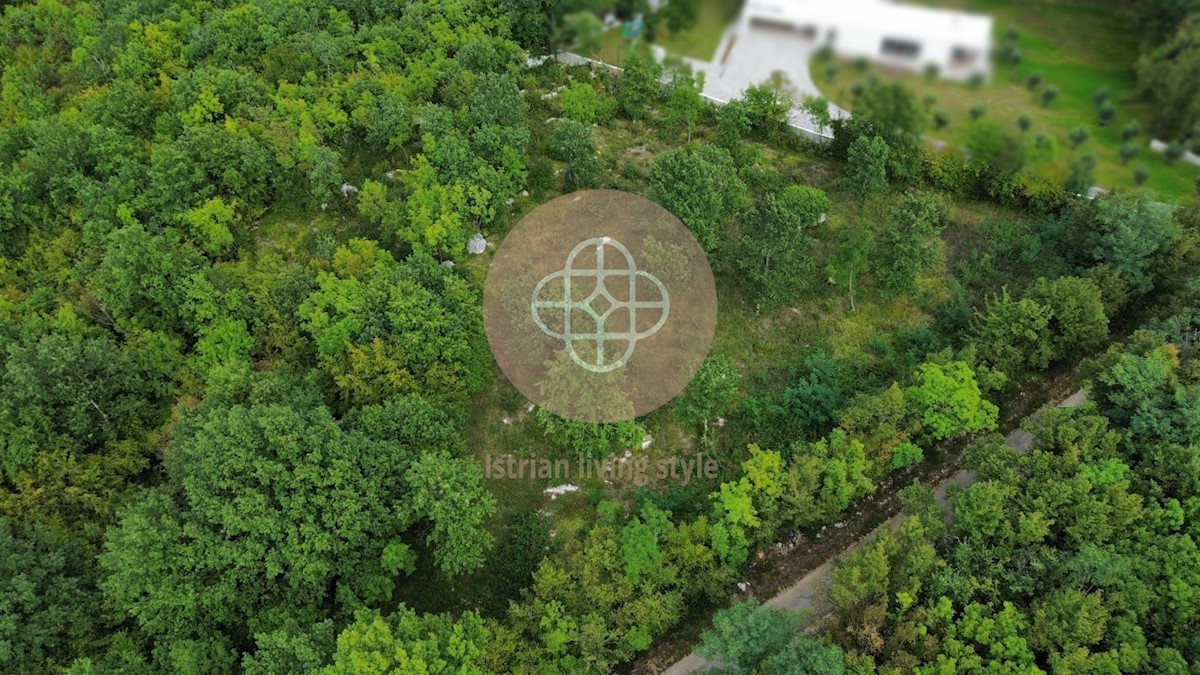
(749, 56)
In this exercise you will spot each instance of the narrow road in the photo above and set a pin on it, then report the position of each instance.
(808, 592)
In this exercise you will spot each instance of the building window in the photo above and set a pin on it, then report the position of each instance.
(963, 56)
(772, 24)
(905, 49)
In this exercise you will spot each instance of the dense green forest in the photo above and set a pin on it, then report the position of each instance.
(1077, 557)
(245, 388)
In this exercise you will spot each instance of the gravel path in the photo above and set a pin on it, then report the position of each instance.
(809, 591)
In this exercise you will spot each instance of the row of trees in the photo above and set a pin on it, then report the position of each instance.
(1169, 67)
(1052, 560)
(630, 577)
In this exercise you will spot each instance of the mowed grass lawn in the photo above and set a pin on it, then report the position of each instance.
(701, 40)
(698, 42)
(1080, 50)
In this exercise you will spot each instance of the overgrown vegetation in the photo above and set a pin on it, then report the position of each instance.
(1037, 566)
(244, 386)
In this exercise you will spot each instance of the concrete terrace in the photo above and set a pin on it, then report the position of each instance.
(747, 56)
(750, 55)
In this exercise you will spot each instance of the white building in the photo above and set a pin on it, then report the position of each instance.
(892, 34)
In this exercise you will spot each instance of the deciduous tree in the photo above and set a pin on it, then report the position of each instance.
(909, 244)
(700, 186)
(948, 401)
(774, 255)
(1170, 74)
(749, 638)
(1078, 323)
(866, 167)
(571, 142)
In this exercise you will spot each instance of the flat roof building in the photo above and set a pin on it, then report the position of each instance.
(892, 34)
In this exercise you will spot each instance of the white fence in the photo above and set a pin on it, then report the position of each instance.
(1161, 148)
